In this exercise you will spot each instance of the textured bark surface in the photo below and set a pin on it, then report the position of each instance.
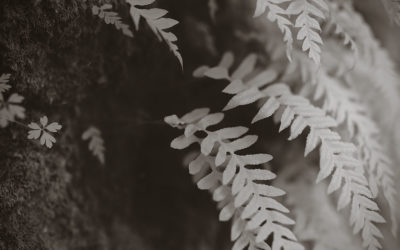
(71, 66)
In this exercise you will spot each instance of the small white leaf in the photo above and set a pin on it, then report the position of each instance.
(269, 107)
(241, 243)
(287, 118)
(208, 181)
(221, 157)
(246, 67)
(196, 165)
(210, 120)
(336, 181)
(231, 133)
(311, 142)
(298, 126)
(217, 73)
(182, 142)
(260, 174)
(221, 193)
(237, 228)
(246, 97)
(243, 195)
(238, 183)
(242, 143)
(195, 115)
(229, 171)
(236, 86)
(269, 190)
(207, 144)
(227, 212)
(256, 159)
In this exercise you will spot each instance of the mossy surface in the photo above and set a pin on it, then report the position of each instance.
(79, 71)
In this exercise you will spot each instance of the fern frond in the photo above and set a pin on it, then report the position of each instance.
(240, 189)
(309, 27)
(111, 17)
(336, 157)
(4, 86)
(345, 106)
(277, 14)
(96, 143)
(157, 23)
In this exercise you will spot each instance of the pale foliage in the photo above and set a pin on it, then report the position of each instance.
(344, 104)
(10, 108)
(43, 131)
(4, 79)
(277, 14)
(96, 142)
(373, 65)
(240, 189)
(307, 12)
(296, 112)
(110, 17)
(157, 23)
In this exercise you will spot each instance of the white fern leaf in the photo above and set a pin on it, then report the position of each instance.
(374, 67)
(241, 191)
(345, 106)
(277, 14)
(157, 23)
(96, 143)
(335, 155)
(309, 27)
(4, 79)
(110, 17)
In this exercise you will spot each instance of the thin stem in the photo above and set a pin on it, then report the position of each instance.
(19, 123)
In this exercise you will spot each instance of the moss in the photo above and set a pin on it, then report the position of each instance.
(79, 71)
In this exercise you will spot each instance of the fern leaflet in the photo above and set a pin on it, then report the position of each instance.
(4, 79)
(344, 105)
(157, 23)
(111, 17)
(308, 25)
(96, 143)
(276, 14)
